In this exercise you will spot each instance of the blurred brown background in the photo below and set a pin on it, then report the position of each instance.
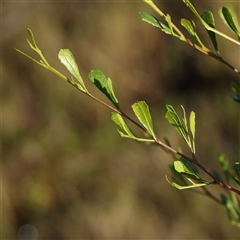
(66, 170)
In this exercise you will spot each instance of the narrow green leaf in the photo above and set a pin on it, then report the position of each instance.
(187, 187)
(208, 17)
(222, 159)
(30, 33)
(236, 168)
(187, 24)
(67, 59)
(104, 85)
(142, 112)
(191, 7)
(229, 17)
(174, 120)
(231, 208)
(34, 60)
(127, 133)
(185, 119)
(118, 119)
(187, 168)
(192, 124)
(155, 22)
(177, 177)
(192, 128)
(169, 21)
(191, 28)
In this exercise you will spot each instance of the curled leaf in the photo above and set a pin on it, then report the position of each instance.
(104, 85)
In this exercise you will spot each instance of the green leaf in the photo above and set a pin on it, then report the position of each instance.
(207, 16)
(177, 177)
(127, 133)
(191, 28)
(236, 168)
(222, 159)
(169, 21)
(34, 60)
(142, 112)
(30, 33)
(191, 7)
(187, 168)
(229, 17)
(192, 128)
(194, 185)
(155, 22)
(104, 85)
(231, 208)
(174, 120)
(118, 119)
(192, 124)
(67, 59)
(33, 46)
(184, 118)
(187, 24)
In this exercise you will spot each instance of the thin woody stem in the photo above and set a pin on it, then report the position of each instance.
(213, 55)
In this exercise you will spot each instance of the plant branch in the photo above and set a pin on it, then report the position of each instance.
(216, 181)
(193, 160)
(182, 37)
